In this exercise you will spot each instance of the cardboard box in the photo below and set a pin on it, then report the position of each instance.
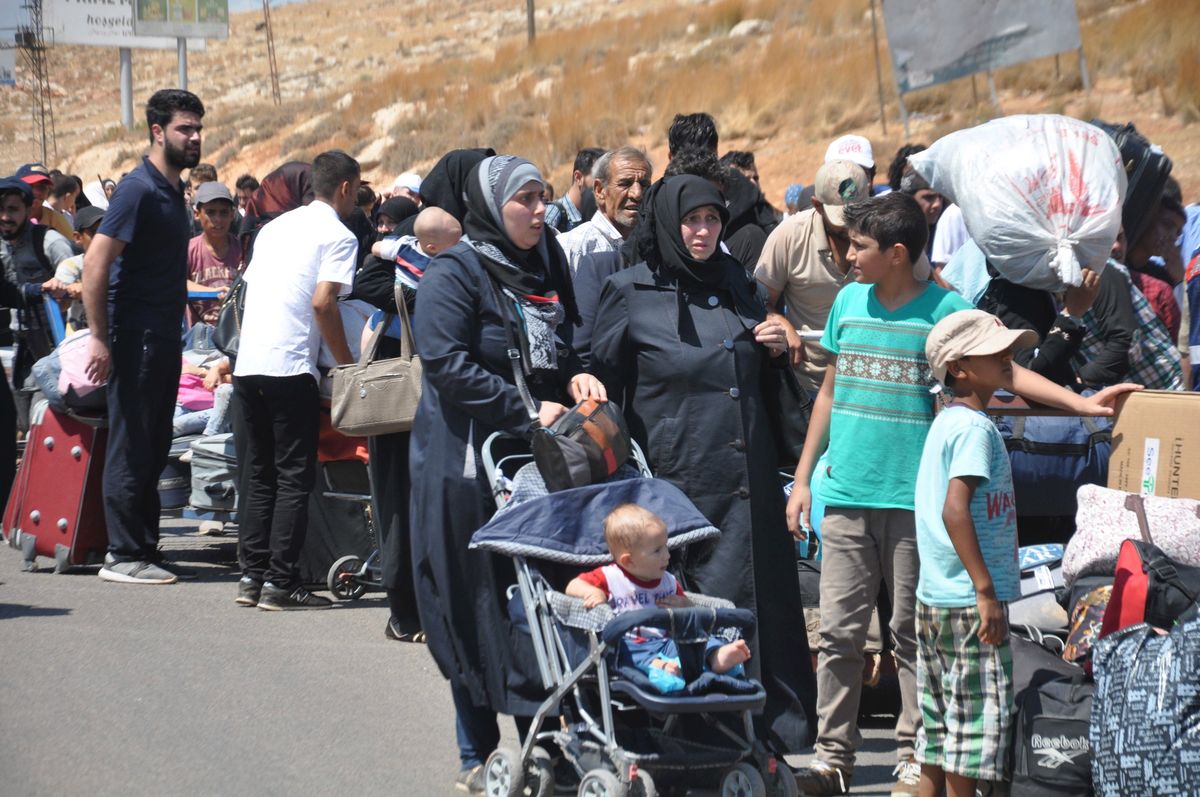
(1156, 445)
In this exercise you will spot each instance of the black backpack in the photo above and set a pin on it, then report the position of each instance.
(1051, 748)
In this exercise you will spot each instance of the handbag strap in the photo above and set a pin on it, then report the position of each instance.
(514, 352)
(1137, 505)
(407, 344)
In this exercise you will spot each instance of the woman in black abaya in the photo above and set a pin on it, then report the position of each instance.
(682, 340)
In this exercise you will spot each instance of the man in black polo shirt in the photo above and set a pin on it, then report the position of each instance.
(134, 292)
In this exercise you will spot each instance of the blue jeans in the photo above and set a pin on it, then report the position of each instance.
(208, 422)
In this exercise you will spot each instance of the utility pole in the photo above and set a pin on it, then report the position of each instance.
(275, 95)
(529, 18)
(33, 49)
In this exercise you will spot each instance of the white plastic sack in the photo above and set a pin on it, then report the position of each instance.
(1041, 195)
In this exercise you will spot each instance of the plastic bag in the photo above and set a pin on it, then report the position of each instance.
(1041, 195)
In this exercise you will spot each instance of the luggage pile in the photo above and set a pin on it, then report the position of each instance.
(1106, 638)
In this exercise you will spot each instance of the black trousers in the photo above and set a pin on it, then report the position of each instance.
(280, 416)
(143, 383)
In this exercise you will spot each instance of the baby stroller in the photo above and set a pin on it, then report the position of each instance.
(613, 729)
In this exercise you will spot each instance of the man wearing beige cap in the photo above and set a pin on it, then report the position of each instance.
(803, 265)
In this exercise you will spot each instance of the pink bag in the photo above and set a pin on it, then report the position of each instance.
(193, 396)
(73, 356)
(1106, 518)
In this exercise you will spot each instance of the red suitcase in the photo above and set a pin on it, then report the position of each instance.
(56, 505)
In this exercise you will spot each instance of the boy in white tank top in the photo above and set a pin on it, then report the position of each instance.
(638, 579)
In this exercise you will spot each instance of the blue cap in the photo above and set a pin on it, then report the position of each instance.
(792, 196)
(33, 173)
(9, 184)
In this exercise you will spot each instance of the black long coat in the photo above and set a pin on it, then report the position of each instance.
(468, 394)
(683, 360)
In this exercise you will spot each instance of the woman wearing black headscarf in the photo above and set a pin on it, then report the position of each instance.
(682, 340)
(502, 271)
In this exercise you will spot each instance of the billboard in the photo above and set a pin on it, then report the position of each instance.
(100, 24)
(207, 19)
(936, 41)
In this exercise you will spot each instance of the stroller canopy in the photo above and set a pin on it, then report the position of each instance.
(568, 526)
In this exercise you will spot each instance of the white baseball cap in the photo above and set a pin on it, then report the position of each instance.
(851, 148)
(409, 180)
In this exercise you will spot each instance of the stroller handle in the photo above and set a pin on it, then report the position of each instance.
(677, 621)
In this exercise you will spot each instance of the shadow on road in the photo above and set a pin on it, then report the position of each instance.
(11, 610)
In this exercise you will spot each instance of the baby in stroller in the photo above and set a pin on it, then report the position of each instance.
(638, 579)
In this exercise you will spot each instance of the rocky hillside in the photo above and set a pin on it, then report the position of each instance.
(397, 84)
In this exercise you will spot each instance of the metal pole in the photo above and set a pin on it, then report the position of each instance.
(878, 68)
(903, 115)
(992, 90)
(126, 87)
(529, 18)
(182, 51)
(1083, 71)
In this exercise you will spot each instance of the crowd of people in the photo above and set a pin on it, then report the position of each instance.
(690, 301)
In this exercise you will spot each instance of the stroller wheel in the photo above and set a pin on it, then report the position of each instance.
(743, 781)
(601, 783)
(343, 578)
(643, 786)
(502, 774)
(783, 782)
(539, 774)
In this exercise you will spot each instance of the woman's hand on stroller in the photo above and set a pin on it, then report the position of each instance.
(586, 386)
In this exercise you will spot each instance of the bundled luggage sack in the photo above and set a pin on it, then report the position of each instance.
(214, 473)
(1106, 518)
(1146, 713)
(56, 505)
(1052, 457)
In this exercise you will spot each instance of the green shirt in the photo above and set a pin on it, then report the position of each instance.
(882, 407)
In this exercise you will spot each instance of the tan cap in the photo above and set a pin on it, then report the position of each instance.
(838, 184)
(967, 333)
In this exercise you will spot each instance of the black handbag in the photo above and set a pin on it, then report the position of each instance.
(228, 330)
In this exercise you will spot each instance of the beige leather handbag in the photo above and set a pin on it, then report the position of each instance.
(373, 397)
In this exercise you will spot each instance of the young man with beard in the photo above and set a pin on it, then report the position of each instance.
(593, 249)
(134, 291)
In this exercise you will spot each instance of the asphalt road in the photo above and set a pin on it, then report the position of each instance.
(134, 690)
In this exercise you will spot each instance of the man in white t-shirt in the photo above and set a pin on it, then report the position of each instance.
(302, 262)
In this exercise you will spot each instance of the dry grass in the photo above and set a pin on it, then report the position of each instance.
(635, 65)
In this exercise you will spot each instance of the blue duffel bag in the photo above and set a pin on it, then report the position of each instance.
(1052, 457)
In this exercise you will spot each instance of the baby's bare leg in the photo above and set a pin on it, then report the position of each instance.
(726, 657)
